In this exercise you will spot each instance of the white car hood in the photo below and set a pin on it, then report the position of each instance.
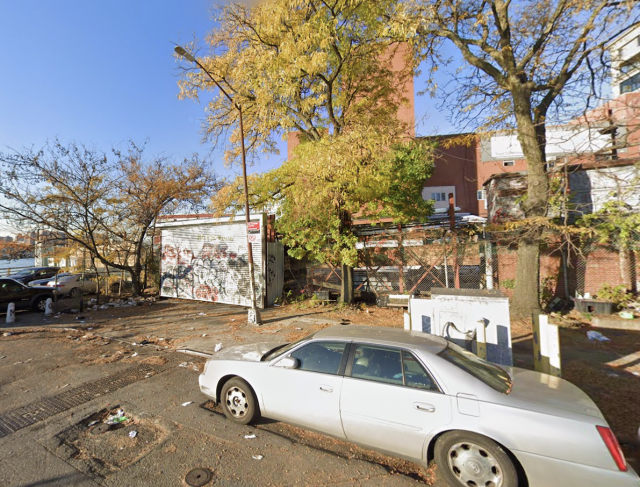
(249, 353)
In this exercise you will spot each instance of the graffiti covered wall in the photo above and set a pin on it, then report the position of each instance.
(209, 262)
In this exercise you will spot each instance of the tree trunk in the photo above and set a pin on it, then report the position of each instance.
(526, 297)
(135, 281)
(346, 290)
(532, 138)
(627, 269)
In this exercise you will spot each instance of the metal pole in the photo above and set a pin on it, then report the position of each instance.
(254, 314)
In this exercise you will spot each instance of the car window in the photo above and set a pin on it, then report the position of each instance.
(490, 374)
(415, 375)
(378, 364)
(324, 357)
(25, 272)
(10, 287)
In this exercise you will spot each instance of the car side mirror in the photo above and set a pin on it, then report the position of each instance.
(288, 363)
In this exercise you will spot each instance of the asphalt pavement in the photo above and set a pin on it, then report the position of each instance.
(61, 377)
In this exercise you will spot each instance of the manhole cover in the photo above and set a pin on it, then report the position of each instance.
(198, 477)
(100, 429)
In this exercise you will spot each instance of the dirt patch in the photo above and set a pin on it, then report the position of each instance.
(291, 335)
(154, 360)
(617, 394)
(99, 450)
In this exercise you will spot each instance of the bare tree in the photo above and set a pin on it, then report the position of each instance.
(103, 205)
(525, 63)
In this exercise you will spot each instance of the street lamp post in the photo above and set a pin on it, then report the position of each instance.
(254, 313)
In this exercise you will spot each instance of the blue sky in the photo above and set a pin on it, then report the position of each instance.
(101, 73)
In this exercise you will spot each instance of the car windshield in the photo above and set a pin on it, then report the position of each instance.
(492, 375)
(26, 272)
(281, 350)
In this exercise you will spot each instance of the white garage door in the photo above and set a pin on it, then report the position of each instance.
(209, 262)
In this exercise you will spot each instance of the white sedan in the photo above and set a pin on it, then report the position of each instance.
(419, 397)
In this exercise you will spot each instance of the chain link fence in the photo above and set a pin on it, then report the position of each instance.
(417, 263)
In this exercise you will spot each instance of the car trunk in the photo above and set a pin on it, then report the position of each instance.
(550, 392)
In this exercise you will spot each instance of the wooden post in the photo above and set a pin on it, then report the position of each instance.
(553, 341)
(481, 339)
(488, 264)
(546, 346)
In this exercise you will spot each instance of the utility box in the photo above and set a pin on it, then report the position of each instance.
(322, 295)
(594, 306)
(456, 314)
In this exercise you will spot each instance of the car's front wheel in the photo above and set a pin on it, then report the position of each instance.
(239, 402)
(40, 304)
(468, 459)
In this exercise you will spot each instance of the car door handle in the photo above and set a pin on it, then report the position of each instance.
(427, 408)
(326, 388)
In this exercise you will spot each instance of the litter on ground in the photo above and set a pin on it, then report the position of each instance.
(187, 403)
(596, 335)
(133, 434)
(249, 437)
(218, 347)
(257, 457)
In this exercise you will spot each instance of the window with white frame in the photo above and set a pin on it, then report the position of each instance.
(508, 163)
(439, 195)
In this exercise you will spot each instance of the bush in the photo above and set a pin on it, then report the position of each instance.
(616, 294)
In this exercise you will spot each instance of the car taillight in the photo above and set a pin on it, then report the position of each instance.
(613, 446)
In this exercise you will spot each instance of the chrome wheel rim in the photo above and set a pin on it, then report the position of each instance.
(237, 403)
(474, 466)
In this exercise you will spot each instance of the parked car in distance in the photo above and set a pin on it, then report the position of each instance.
(44, 282)
(25, 276)
(420, 397)
(12, 291)
(75, 284)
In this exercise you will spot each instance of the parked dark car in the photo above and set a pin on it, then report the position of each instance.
(25, 276)
(12, 291)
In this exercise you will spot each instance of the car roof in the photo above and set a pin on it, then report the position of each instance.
(383, 335)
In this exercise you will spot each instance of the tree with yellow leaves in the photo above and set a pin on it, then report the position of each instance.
(325, 71)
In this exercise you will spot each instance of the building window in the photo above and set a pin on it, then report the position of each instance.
(482, 195)
(631, 84)
(638, 41)
(508, 163)
(439, 196)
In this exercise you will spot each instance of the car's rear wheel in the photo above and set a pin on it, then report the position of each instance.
(76, 292)
(471, 460)
(239, 402)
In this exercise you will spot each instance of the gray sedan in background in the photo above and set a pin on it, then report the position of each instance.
(422, 398)
(75, 285)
